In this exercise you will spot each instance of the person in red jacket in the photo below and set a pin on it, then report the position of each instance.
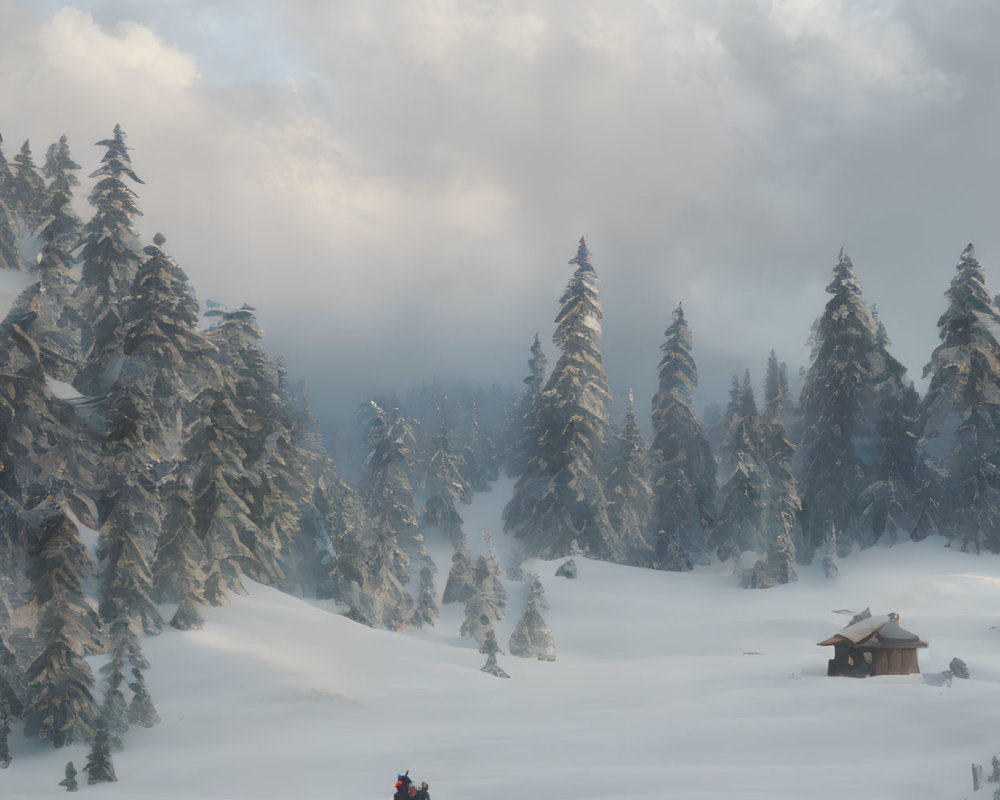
(403, 786)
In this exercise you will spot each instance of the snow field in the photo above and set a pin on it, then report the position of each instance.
(666, 684)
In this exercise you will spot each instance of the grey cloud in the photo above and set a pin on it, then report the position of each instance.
(412, 178)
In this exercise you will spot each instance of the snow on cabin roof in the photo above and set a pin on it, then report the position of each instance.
(882, 629)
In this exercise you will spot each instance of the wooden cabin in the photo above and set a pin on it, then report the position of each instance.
(873, 646)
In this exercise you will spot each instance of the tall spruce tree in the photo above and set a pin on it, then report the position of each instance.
(162, 357)
(524, 425)
(110, 257)
(28, 187)
(741, 522)
(461, 584)
(629, 490)
(445, 486)
(559, 498)
(59, 683)
(99, 767)
(388, 493)
(59, 169)
(683, 467)
(486, 607)
(10, 221)
(960, 413)
(532, 638)
(852, 383)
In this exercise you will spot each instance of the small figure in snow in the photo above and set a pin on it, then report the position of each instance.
(422, 793)
(403, 783)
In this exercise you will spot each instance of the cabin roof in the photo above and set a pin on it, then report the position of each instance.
(882, 630)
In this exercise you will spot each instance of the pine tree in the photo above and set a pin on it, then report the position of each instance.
(386, 486)
(58, 169)
(5, 757)
(490, 647)
(177, 564)
(461, 584)
(114, 710)
(69, 781)
(99, 767)
(486, 607)
(10, 678)
(110, 260)
(427, 610)
(59, 683)
(683, 467)
(163, 357)
(960, 413)
(445, 485)
(55, 326)
(629, 491)
(481, 464)
(742, 519)
(559, 497)
(850, 384)
(141, 710)
(524, 426)
(6, 176)
(28, 187)
(532, 638)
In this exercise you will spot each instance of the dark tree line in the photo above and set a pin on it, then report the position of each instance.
(860, 457)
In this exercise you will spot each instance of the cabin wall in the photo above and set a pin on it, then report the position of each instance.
(901, 661)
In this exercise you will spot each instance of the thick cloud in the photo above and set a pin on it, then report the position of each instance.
(398, 186)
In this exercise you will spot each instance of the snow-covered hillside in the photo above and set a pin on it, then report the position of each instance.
(666, 685)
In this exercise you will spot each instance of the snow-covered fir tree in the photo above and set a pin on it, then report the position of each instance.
(461, 584)
(69, 778)
(490, 648)
(110, 257)
(559, 497)
(180, 554)
(445, 485)
(141, 710)
(386, 486)
(480, 461)
(683, 467)
(59, 684)
(532, 638)
(486, 607)
(427, 608)
(59, 170)
(960, 413)
(55, 326)
(6, 176)
(388, 494)
(114, 710)
(628, 489)
(99, 766)
(851, 384)
(28, 187)
(5, 757)
(523, 432)
(741, 520)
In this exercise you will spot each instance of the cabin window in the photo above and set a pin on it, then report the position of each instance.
(868, 657)
(850, 661)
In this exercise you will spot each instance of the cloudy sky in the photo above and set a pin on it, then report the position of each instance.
(397, 186)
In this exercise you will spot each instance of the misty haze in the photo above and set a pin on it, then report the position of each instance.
(548, 399)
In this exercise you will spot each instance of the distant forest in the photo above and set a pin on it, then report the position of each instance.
(153, 457)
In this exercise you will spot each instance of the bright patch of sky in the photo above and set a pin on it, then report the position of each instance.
(233, 42)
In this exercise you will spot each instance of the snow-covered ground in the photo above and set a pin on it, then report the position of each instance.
(665, 685)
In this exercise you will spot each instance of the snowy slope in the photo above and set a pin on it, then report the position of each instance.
(677, 685)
